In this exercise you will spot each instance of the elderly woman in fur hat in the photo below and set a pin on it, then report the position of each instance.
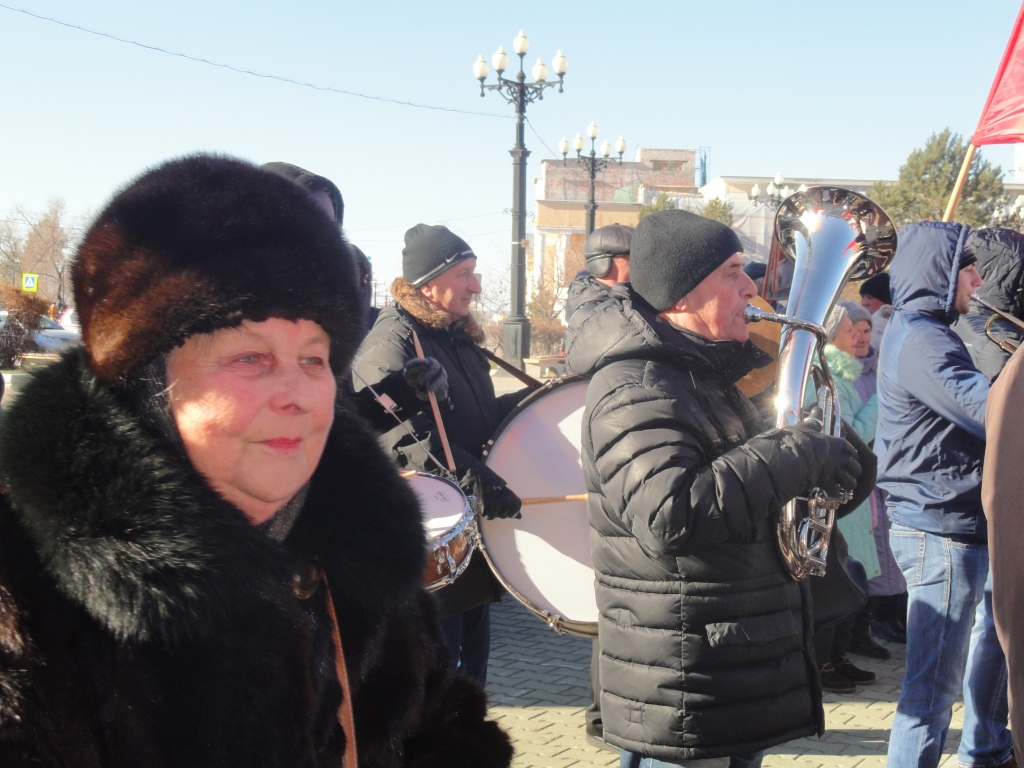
(205, 560)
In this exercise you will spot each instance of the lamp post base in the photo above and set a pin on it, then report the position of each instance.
(516, 340)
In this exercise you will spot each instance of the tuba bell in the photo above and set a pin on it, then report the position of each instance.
(832, 235)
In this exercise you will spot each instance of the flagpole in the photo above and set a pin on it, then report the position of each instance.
(958, 188)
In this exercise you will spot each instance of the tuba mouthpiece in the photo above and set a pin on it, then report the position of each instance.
(752, 314)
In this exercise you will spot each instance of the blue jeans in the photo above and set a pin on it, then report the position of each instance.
(469, 639)
(951, 641)
(629, 759)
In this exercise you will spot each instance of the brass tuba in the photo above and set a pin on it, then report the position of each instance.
(833, 236)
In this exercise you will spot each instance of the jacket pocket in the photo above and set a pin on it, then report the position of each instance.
(753, 630)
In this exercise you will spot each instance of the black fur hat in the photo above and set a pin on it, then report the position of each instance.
(202, 243)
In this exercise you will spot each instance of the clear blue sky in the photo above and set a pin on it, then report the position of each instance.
(806, 88)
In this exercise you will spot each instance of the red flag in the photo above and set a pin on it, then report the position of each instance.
(1002, 119)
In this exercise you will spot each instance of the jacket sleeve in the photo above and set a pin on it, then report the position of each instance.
(865, 418)
(652, 470)
(935, 367)
(379, 364)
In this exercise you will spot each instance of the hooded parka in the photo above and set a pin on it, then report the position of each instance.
(706, 640)
(930, 439)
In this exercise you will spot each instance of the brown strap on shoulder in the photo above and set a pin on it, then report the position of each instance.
(437, 413)
(345, 717)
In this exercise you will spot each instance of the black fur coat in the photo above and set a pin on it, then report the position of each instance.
(143, 621)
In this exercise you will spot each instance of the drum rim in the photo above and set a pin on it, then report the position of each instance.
(464, 520)
(561, 625)
(466, 528)
(536, 394)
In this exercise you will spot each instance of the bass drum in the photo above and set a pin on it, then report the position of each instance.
(544, 558)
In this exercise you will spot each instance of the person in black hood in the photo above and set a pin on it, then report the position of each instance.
(1000, 254)
(706, 639)
(324, 192)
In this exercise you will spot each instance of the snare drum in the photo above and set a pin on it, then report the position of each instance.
(449, 525)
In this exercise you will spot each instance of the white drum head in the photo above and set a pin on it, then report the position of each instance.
(442, 503)
(545, 555)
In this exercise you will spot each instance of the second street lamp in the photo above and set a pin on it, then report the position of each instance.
(593, 163)
(519, 93)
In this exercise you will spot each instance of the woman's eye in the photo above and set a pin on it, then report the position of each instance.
(317, 362)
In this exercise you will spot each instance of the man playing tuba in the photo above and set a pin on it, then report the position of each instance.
(706, 639)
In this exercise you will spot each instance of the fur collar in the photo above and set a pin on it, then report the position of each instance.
(430, 316)
(843, 366)
(131, 532)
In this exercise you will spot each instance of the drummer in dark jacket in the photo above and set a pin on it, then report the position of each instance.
(706, 639)
(606, 253)
(432, 300)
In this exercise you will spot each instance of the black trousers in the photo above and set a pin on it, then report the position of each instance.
(831, 644)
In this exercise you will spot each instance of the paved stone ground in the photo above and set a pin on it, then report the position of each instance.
(538, 689)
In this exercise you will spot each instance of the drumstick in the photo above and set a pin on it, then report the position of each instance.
(554, 499)
(437, 412)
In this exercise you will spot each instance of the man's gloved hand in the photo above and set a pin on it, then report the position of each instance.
(492, 499)
(836, 464)
(501, 503)
(425, 375)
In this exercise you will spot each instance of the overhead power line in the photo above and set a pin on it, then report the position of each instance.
(244, 71)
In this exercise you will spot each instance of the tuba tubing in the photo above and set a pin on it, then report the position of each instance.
(833, 235)
(1009, 347)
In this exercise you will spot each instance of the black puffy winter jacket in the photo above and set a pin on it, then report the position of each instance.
(706, 646)
(1000, 254)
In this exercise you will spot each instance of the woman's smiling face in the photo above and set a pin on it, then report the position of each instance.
(253, 406)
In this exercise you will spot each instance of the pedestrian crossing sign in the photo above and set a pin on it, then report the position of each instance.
(29, 283)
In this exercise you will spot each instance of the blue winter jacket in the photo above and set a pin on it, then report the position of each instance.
(931, 398)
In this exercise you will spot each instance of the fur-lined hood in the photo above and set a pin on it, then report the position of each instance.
(431, 316)
(131, 532)
(843, 365)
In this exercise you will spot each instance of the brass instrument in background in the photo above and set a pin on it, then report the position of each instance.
(1009, 347)
(832, 235)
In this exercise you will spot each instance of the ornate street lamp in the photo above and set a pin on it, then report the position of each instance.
(775, 190)
(519, 93)
(593, 163)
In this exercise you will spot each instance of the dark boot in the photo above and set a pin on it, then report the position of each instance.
(834, 681)
(861, 641)
(890, 618)
(854, 674)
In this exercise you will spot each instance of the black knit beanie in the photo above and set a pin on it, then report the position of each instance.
(429, 251)
(673, 251)
(877, 286)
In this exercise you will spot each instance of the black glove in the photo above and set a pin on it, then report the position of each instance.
(833, 461)
(501, 503)
(492, 499)
(425, 375)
